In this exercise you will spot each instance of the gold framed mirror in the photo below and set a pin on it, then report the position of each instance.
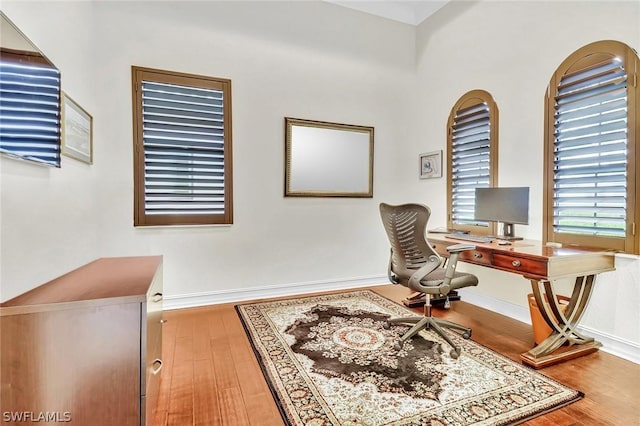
(328, 159)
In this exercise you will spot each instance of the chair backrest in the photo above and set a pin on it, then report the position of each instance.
(406, 227)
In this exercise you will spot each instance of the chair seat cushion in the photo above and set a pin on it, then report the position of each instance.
(435, 279)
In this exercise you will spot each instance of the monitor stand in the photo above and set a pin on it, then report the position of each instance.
(508, 233)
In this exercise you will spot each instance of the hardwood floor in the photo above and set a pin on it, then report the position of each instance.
(210, 375)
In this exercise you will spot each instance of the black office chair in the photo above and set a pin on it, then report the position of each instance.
(415, 264)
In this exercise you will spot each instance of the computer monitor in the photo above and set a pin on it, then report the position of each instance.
(506, 205)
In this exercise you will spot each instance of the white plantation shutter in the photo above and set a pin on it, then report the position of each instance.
(29, 109)
(472, 150)
(185, 160)
(183, 149)
(591, 190)
(590, 150)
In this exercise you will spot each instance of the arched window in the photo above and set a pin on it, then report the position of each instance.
(472, 152)
(591, 126)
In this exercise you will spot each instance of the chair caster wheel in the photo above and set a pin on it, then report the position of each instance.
(386, 325)
(454, 354)
(397, 346)
(466, 334)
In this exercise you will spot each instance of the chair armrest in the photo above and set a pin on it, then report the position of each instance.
(426, 269)
(457, 248)
(455, 251)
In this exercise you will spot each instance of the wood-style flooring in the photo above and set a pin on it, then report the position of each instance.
(210, 375)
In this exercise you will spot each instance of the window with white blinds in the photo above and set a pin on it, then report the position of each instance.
(590, 164)
(590, 185)
(29, 108)
(470, 157)
(183, 149)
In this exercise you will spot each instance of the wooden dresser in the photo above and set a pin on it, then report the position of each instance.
(84, 348)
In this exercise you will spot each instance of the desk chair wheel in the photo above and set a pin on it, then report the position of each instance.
(454, 353)
(466, 335)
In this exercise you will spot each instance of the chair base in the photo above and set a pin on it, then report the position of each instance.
(429, 322)
(418, 299)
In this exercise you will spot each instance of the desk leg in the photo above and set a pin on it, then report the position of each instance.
(565, 342)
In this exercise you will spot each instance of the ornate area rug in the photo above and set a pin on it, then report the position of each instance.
(329, 360)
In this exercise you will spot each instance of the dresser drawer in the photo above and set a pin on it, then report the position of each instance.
(520, 265)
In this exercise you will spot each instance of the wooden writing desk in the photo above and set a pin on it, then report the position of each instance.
(542, 266)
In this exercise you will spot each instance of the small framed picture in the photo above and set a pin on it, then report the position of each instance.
(431, 165)
(77, 131)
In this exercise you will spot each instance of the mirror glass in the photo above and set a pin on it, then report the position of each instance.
(328, 159)
(30, 92)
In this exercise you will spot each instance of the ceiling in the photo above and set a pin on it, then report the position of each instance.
(410, 12)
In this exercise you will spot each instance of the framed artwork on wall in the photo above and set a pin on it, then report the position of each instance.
(431, 165)
(77, 131)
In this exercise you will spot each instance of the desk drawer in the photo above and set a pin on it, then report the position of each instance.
(520, 265)
(476, 256)
(472, 256)
(441, 249)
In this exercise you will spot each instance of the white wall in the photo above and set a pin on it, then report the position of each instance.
(47, 215)
(511, 50)
(309, 60)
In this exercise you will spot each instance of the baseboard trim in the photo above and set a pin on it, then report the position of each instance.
(611, 344)
(264, 292)
(614, 345)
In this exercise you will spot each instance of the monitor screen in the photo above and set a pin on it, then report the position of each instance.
(506, 205)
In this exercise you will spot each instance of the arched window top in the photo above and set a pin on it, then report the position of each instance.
(473, 98)
(592, 54)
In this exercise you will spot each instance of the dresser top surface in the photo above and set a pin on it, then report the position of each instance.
(104, 278)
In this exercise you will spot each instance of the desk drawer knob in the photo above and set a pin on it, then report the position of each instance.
(477, 255)
(516, 263)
